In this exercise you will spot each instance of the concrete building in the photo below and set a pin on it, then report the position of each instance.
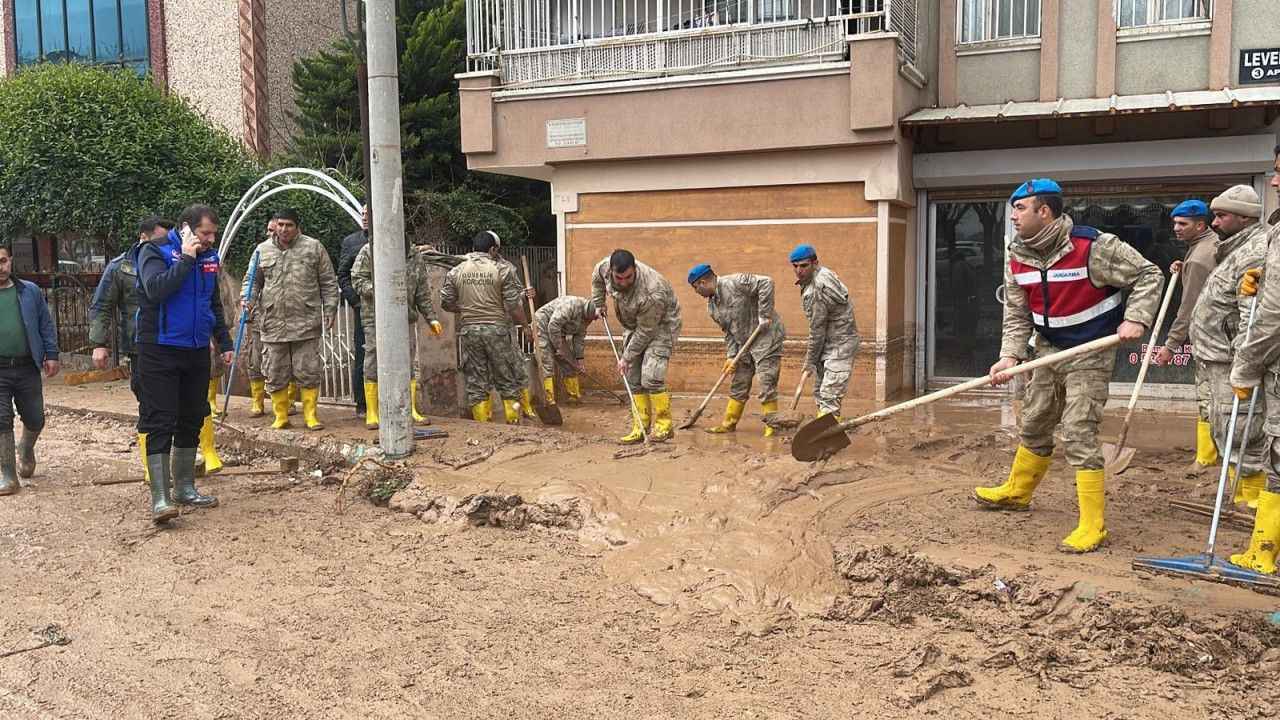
(232, 59)
(888, 133)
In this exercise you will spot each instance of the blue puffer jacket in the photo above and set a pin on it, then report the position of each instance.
(178, 302)
(42, 335)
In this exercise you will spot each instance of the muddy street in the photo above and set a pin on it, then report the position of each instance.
(530, 572)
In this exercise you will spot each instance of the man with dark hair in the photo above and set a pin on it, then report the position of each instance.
(28, 343)
(1064, 284)
(179, 315)
(648, 310)
(486, 297)
(295, 293)
(351, 246)
(1191, 220)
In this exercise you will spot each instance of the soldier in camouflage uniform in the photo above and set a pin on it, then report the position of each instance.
(647, 307)
(740, 304)
(833, 332)
(253, 352)
(1191, 220)
(1064, 283)
(418, 293)
(295, 291)
(562, 332)
(522, 368)
(487, 298)
(1216, 330)
(1257, 367)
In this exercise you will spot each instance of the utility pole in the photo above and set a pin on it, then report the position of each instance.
(395, 432)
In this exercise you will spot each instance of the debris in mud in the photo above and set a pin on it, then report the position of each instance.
(457, 462)
(486, 510)
(49, 636)
(932, 685)
(639, 450)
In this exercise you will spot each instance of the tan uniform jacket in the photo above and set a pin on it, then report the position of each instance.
(1261, 355)
(482, 291)
(1216, 320)
(833, 331)
(737, 306)
(563, 322)
(417, 283)
(649, 308)
(294, 291)
(1199, 261)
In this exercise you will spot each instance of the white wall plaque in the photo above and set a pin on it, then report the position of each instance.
(567, 132)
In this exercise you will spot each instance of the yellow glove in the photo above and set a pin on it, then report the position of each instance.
(729, 365)
(1242, 393)
(436, 328)
(1249, 283)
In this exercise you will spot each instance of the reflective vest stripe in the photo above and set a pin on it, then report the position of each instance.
(1110, 303)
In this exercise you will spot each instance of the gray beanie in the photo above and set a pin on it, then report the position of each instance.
(1241, 200)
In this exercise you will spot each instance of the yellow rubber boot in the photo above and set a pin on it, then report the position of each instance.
(482, 411)
(257, 394)
(511, 411)
(310, 397)
(769, 408)
(1248, 488)
(526, 404)
(573, 389)
(413, 404)
(663, 428)
(371, 405)
(293, 398)
(212, 463)
(1206, 450)
(639, 421)
(1092, 528)
(549, 390)
(213, 397)
(280, 404)
(732, 414)
(142, 449)
(1024, 477)
(1261, 555)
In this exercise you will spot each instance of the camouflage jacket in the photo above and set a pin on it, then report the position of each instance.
(833, 331)
(1112, 263)
(482, 291)
(563, 323)
(649, 308)
(114, 294)
(1259, 358)
(294, 291)
(1196, 266)
(417, 283)
(738, 304)
(1216, 319)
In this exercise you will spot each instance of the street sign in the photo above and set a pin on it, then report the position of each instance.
(1260, 66)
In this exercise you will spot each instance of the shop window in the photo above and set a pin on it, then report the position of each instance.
(986, 20)
(1146, 13)
(98, 32)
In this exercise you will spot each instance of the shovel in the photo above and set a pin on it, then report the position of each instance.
(1117, 457)
(548, 413)
(825, 436)
(635, 409)
(790, 419)
(723, 374)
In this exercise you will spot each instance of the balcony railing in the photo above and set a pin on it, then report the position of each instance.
(546, 42)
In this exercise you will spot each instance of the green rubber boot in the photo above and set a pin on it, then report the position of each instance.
(184, 480)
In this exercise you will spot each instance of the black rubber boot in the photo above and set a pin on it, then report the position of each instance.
(162, 508)
(27, 454)
(184, 480)
(8, 473)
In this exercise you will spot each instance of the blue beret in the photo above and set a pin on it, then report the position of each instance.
(803, 252)
(1191, 208)
(1032, 188)
(700, 270)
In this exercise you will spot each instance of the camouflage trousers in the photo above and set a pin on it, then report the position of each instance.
(748, 369)
(286, 362)
(830, 383)
(1073, 393)
(522, 367)
(650, 374)
(251, 353)
(1204, 394)
(371, 348)
(1255, 452)
(550, 360)
(489, 362)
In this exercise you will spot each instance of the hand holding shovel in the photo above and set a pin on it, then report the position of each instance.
(723, 374)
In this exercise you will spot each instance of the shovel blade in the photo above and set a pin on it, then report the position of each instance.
(693, 419)
(548, 414)
(1116, 458)
(1202, 567)
(809, 445)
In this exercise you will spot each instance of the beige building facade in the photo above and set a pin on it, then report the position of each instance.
(886, 133)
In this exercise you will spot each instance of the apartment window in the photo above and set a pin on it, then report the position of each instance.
(1143, 13)
(985, 20)
(99, 32)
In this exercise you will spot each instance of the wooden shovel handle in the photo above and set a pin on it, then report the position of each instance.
(533, 323)
(795, 401)
(725, 373)
(976, 383)
(1146, 357)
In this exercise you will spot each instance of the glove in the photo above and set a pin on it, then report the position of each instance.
(1242, 393)
(436, 328)
(729, 365)
(1249, 283)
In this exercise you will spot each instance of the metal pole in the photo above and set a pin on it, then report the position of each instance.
(387, 185)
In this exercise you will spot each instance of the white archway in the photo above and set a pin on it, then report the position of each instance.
(279, 181)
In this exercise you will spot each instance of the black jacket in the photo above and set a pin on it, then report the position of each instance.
(351, 245)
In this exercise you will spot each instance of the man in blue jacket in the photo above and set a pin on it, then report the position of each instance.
(28, 342)
(179, 311)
